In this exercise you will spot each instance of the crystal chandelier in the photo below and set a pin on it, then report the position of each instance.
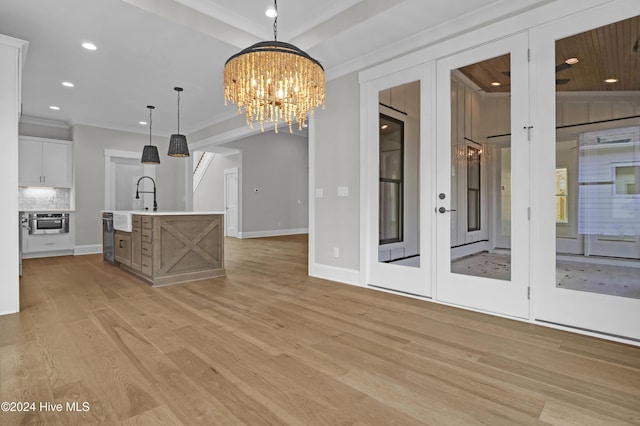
(274, 81)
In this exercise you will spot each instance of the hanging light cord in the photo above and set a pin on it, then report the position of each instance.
(178, 112)
(275, 21)
(150, 124)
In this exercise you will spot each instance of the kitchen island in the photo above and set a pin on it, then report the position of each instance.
(170, 247)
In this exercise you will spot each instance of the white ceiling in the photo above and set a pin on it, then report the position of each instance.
(146, 47)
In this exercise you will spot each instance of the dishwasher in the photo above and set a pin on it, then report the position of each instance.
(108, 237)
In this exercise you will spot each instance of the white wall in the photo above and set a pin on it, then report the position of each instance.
(277, 165)
(209, 196)
(10, 65)
(89, 144)
(337, 163)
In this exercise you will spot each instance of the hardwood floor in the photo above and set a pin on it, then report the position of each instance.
(269, 345)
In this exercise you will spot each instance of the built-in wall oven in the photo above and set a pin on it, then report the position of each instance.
(48, 223)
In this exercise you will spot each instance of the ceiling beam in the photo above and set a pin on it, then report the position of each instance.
(196, 20)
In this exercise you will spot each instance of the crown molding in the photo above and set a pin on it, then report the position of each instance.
(36, 121)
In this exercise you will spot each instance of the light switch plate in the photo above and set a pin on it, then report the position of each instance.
(343, 191)
(319, 193)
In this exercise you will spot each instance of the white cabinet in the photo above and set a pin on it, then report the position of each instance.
(44, 162)
(47, 243)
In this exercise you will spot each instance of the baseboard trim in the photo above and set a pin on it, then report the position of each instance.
(273, 233)
(87, 249)
(335, 273)
(55, 253)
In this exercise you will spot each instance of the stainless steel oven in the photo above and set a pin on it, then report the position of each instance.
(48, 223)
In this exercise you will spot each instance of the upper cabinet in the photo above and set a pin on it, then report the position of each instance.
(45, 162)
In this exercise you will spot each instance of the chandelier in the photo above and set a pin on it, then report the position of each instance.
(274, 81)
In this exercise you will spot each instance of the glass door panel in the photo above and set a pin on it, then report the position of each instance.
(480, 265)
(399, 175)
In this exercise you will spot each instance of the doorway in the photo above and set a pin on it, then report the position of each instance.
(231, 202)
(122, 171)
(482, 181)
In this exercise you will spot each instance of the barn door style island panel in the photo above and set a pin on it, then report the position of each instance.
(170, 248)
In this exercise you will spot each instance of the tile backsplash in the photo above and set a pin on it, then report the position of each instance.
(44, 198)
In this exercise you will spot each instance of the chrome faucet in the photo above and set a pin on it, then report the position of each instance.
(155, 204)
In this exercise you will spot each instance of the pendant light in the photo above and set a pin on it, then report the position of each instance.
(274, 81)
(178, 143)
(150, 152)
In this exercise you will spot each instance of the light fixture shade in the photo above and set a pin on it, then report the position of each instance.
(178, 146)
(150, 155)
(274, 81)
(150, 152)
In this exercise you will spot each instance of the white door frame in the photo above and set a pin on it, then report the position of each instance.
(228, 172)
(111, 157)
(411, 280)
(584, 311)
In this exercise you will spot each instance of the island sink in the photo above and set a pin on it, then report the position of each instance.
(122, 221)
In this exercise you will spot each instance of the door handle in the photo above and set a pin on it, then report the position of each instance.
(443, 210)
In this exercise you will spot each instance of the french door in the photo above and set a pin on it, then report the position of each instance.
(398, 175)
(529, 175)
(482, 197)
(587, 174)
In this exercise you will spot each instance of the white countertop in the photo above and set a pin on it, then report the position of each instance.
(122, 219)
(47, 210)
(161, 212)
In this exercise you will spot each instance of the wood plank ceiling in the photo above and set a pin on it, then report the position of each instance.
(603, 53)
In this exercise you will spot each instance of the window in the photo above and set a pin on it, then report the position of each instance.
(391, 179)
(473, 188)
(627, 180)
(562, 212)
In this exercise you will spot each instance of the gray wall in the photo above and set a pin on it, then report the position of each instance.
(210, 193)
(278, 165)
(89, 144)
(337, 163)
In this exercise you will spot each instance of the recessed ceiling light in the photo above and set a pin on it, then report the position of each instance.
(611, 80)
(67, 84)
(271, 13)
(89, 46)
(55, 108)
(142, 123)
(495, 83)
(572, 61)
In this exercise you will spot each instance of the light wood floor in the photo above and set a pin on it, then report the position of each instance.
(269, 345)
